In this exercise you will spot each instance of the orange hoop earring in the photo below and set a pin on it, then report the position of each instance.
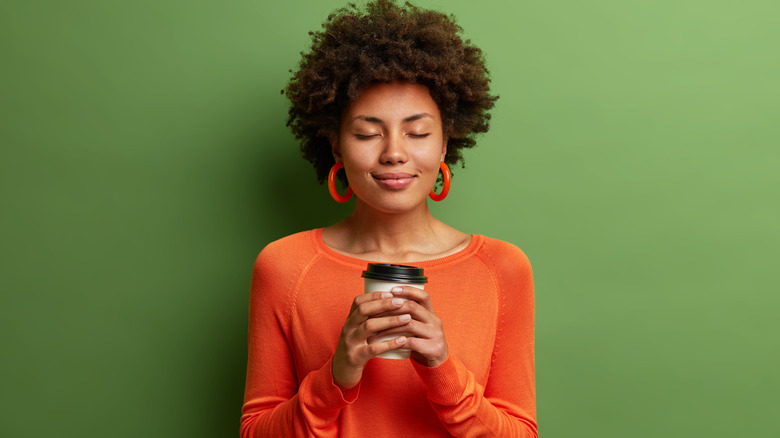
(445, 172)
(332, 185)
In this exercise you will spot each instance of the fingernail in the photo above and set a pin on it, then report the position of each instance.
(397, 301)
(400, 340)
(406, 317)
(387, 295)
(397, 289)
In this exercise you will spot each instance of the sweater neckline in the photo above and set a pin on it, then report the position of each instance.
(326, 251)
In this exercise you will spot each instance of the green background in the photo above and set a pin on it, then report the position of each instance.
(633, 155)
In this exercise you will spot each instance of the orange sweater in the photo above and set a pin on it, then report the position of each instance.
(301, 296)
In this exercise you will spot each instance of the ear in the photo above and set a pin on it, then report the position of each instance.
(334, 147)
(444, 148)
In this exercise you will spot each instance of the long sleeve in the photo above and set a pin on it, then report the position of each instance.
(275, 403)
(300, 297)
(506, 406)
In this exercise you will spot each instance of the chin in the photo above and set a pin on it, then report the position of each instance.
(395, 204)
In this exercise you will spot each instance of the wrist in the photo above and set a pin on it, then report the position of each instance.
(349, 391)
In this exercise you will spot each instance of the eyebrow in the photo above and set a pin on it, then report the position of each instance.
(412, 118)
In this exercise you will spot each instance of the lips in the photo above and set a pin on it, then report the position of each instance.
(394, 180)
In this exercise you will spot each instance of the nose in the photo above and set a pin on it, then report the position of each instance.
(394, 151)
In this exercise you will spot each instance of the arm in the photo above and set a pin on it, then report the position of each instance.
(275, 404)
(506, 405)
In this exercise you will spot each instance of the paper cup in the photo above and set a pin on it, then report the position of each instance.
(381, 277)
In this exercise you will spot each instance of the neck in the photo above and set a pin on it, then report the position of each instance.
(390, 236)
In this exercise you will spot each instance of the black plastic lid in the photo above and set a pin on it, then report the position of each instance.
(395, 273)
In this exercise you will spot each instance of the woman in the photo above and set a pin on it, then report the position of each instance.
(390, 95)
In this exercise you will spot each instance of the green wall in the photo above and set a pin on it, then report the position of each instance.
(144, 163)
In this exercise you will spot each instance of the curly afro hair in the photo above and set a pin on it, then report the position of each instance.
(383, 44)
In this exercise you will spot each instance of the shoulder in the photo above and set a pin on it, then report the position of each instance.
(512, 272)
(504, 257)
(284, 257)
(289, 245)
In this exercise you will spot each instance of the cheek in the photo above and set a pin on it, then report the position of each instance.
(352, 152)
(357, 163)
(430, 165)
(429, 157)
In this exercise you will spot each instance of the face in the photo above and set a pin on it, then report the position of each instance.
(391, 143)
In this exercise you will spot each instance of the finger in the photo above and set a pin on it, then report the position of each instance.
(412, 328)
(413, 294)
(373, 308)
(369, 297)
(378, 348)
(373, 326)
(433, 352)
(372, 296)
(419, 312)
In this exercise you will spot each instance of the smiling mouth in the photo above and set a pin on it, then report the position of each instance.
(394, 180)
(386, 176)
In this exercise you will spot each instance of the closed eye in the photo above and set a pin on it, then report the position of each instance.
(419, 135)
(365, 136)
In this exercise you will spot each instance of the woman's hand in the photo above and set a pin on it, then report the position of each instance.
(370, 313)
(426, 333)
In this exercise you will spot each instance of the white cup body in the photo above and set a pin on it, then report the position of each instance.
(371, 285)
